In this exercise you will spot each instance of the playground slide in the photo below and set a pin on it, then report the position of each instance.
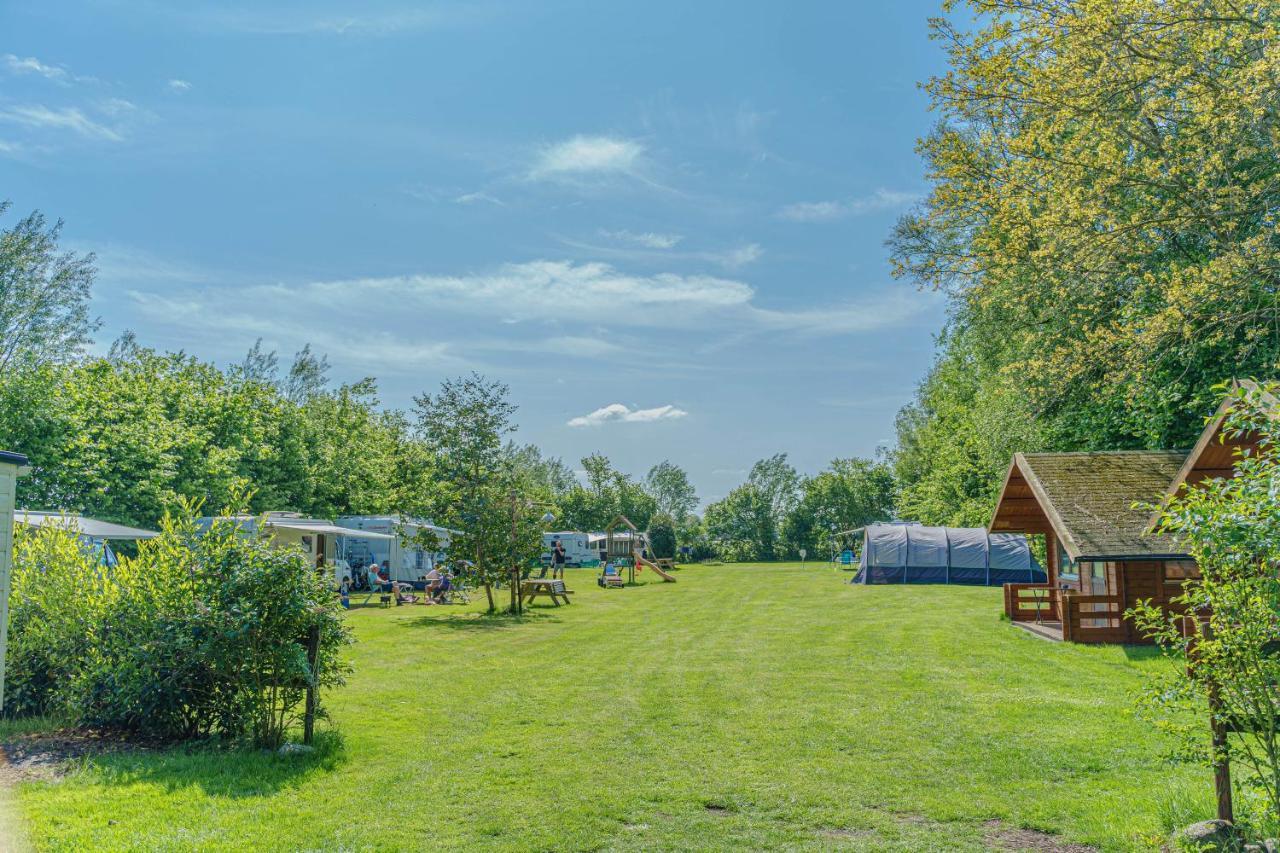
(653, 567)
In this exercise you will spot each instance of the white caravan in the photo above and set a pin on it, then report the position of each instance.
(387, 548)
(577, 548)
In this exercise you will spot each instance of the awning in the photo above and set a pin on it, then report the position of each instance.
(90, 527)
(326, 527)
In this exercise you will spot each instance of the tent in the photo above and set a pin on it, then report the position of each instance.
(910, 553)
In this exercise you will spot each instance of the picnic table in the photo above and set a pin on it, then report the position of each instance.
(553, 588)
(665, 563)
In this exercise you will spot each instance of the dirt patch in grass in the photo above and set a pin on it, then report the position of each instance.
(45, 757)
(1002, 836)
(716, 808)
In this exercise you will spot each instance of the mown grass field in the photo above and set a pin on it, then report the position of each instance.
(743, 707)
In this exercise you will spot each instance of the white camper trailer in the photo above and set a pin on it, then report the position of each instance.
(577, 548)
(403, 562)
(319, 539)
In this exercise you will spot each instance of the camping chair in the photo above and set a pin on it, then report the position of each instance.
(455, 590)
(377, 587)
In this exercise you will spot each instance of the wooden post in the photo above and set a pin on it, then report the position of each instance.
(313, 660)
(12, 466)
(1218, 732)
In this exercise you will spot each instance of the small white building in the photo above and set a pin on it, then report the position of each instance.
(392, 544)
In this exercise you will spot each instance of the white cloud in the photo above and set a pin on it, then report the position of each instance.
(556, 290)
(646, 239)
(31, 65)
(741, 256)
(812, 211)
(478, 197)
(620, 413)
(826, 211)
(585, 155)
(66, 118)
(661, 249)
(178, 85)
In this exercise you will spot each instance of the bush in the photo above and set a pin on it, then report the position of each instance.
(662, 536)
(196, 636)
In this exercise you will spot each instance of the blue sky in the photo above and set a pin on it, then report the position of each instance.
(661, 223)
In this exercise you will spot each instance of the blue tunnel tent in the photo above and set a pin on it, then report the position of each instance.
(911, 553)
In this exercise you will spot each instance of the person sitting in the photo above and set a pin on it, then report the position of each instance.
(609, 576)
(441, 594)
(376, 579)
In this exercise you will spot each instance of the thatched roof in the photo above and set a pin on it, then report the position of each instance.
(1088, 499)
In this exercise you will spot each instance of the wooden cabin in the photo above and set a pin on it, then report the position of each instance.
(1101, 554)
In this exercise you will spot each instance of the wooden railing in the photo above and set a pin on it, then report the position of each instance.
(1093, 619)
(1031, 602)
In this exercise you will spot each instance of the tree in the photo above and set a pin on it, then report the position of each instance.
(44, 295)
(1101, 216)
(849, 493)
(1232, 528)
(778, 484)
(742, 526)
(607, 494)
(662, 536)
(671, 490)
(308, 375)
(465, 424)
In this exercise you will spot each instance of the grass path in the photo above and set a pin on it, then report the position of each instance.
(750, 707)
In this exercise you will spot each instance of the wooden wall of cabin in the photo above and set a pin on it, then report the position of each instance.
(1144, 580)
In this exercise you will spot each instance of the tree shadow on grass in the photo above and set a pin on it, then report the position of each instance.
(480, 621)
(235, 773)
(1140, 653)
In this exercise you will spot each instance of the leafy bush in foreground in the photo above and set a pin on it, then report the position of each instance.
(196, 636)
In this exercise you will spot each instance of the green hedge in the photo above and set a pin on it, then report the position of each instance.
(196, 636)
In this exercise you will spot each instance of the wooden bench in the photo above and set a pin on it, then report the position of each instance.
(552, 588)
(665, 563)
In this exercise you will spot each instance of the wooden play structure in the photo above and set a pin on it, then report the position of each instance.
(624, 546)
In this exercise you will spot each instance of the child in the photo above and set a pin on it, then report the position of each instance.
(344, 592)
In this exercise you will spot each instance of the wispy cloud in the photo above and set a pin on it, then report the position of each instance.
(731, 258)
(31, 65)
(178, 85)
(356, 19)
(63, 118)
(479, 198)
(588, 155)
(647, 239)
(827, 211)
(552, 290)
(620, 413)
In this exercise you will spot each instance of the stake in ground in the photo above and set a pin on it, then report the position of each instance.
(753, 706)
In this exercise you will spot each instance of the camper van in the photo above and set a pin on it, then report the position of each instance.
(323, 542)
(403, 562)
(577, 548)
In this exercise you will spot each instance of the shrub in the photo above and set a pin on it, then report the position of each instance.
(196, 636)
(662, 536)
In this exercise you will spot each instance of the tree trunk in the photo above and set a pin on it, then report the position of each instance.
(488, 591)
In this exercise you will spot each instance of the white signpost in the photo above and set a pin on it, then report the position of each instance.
(12, 466)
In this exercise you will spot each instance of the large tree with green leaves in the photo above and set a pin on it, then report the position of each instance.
(44, 295)
(465, 424)
(1105, 178)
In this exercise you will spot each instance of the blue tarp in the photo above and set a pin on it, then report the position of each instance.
(901, 553)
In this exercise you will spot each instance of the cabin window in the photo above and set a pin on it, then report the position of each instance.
(1067, 570)
(1177, 571)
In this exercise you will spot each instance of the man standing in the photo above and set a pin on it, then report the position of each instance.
(557, 560)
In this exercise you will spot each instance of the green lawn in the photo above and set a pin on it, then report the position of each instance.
(745, 706)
